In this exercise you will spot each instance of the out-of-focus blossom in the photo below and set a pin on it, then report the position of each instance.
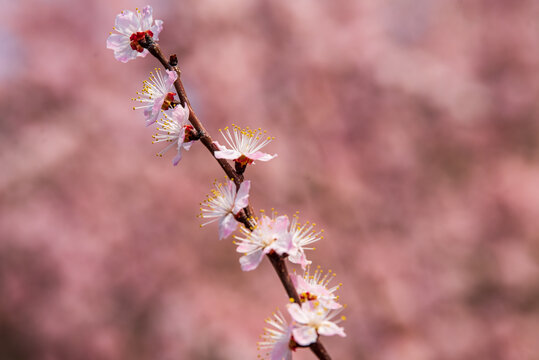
(315, 287)
(302, 235)
(175, 130)
(277, 339)
(268, 235)
(245, 145)
(223, 204)
(156, 94)
(133, 27)
(312, 319)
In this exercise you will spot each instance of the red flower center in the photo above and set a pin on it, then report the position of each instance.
(307, 296)
(168, 102)
(136, 37)
(244, 160)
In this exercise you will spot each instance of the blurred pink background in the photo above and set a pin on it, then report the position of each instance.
(408, 130)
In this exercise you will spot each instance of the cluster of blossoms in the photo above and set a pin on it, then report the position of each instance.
(317, 314)
(228, 203)
(319, 307)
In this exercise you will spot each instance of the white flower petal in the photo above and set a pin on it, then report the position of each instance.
(127, 23)
(180, 113)
(245, 248)
(242, 197)
(146, 18)
(225, 153)
(281, 224)
(328, 328)
(297, 313)
(281, 351)
(156, 29)
(259, 155)
(304, 335)
(187, 145)
(177, 158)
(251, 261)
(117, 42)
(227, 225)
(283, 243)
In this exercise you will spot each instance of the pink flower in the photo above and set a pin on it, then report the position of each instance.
(133, 27)
(302, 235)
(313, 320)
(176, 131)
(268, 235)
(277, 339)
(156, 95)
(315, 287)
(223, 204)
(245, 145)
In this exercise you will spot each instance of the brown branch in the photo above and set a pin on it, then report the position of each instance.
(319, 350)
(280, 268)
(247, 214)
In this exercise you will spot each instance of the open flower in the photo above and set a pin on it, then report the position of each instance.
(175, 130)
(277, 338)
(245, 145)
(156, 94)
(268, 235)
(312, 320)
(133, 27)
(223, 204)
(315, 287)
(302, 236)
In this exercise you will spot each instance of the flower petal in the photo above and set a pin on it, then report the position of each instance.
(172, 76)
(298, 257)
(330, 304)
(180, 113)
(251, 261)
(122, 50)
(224, 153)
(281, 350)
(227, 225)
(156, 29)
(147, 18)
(281, 224)
(283, 243)
(127, 23)
(118, 42)
(242, 197)
(259, 155)
(187, 145)
(297, 313)
(246, 247)
(304, 335)
(328, 328)
(177, 158)
(153, 113)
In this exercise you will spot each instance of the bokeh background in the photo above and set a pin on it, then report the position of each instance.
(407, 129)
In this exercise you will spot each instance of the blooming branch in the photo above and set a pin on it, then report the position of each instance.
(315, 307)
